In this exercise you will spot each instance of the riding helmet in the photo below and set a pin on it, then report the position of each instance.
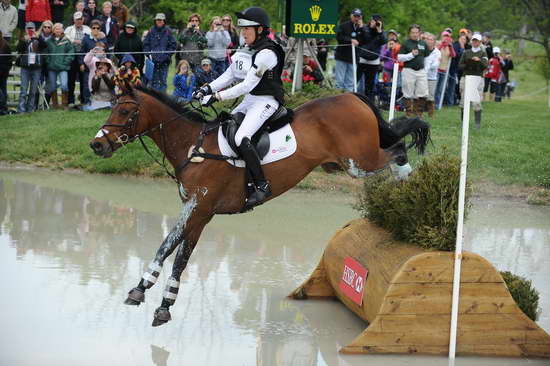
(253, 17)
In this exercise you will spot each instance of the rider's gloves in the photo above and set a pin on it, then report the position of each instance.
(202, 92)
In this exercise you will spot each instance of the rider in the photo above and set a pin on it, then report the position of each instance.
(263, 90)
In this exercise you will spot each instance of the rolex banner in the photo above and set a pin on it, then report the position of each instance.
(311, 18)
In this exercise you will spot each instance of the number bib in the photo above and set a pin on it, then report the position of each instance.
(242, 61)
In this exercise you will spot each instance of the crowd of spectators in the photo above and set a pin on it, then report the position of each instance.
(101, 48)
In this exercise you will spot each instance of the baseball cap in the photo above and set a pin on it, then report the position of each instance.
(394, 32)
(357, 12)
(160, 16)
(496, 49)
(445, 33)
(463, 30)
(376, 17)
(476, 36)
(77, 15)
(487, 34)
(449, 29)
(30, 25)
(206, 61)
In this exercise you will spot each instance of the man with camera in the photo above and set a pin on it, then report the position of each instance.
(371, 40)
(191, 41)
(347, 35)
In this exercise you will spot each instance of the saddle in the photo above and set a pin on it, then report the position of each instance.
(260, 139)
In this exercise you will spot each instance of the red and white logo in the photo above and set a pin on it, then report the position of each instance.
(353, 280)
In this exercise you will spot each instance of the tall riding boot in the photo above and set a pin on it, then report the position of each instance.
(261, 189)
(461, 114)
(55, 103)
(419, 105)
(430, 107)
(478, 118)
(409, 107)
(65, 100)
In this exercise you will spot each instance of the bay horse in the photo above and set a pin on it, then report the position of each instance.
(345, 129)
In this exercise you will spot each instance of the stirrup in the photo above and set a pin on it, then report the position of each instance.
(258, 195)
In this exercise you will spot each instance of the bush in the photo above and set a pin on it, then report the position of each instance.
(423, 209)
(523, 293)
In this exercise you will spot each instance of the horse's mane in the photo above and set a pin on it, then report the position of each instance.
(172, 103)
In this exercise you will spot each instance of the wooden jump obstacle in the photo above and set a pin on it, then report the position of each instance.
(406, 298)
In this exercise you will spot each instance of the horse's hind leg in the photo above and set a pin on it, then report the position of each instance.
(172, 240)
(192, 234)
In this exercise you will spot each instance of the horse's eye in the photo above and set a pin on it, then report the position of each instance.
(124, 112)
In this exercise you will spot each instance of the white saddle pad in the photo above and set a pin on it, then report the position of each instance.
(282, 144)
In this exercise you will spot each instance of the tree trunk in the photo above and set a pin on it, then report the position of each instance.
(521, 44)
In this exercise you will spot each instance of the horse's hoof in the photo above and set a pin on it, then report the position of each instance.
(162, 315)
(135, 297)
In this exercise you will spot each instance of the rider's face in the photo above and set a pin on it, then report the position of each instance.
(249, 34)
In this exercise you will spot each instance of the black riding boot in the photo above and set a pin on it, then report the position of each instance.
(261, 190)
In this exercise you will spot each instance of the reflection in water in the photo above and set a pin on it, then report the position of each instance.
(75, 256)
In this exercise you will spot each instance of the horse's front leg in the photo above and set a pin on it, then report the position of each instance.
(192, 233)
(172, 240)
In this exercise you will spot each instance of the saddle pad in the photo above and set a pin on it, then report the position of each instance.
(282, 144)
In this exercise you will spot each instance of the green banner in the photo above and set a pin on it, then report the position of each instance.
(311, 18)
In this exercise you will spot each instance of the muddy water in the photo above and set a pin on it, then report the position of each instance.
(72, 245)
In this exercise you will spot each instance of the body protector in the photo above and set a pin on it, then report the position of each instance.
(270, 83)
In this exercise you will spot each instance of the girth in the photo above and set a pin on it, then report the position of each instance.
(260, 139)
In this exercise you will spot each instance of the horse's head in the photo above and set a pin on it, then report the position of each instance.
(122, 126)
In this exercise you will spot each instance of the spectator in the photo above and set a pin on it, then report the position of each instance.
(130, 42)
(91, 13)
(44, 33)
(347, 34)
(5, 65)
(389, 58)
(473, 62)
(61, 54)
(371, 39)
(120, 11)
(37, 11)
(90, 40)
(393, 35)
(75, 33)
(466, 33)
(495, 74)
(414, 77)
(227, 23)
(162, 44)
(109, 25)
(322, 52)
(205, 74)
(30, 50)
(454, 72)
(431, 64)
(58, 9)
(218, 41)
(21, 9)
(184, 82)
(487, 46)
(127, 74)
(102, 84)
(447, 54)
(311, 71)
(508, 65)
(8, 19)
(191, 41)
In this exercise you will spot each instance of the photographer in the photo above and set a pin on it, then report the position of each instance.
(347, 34)
(371, 40)
(191, 41)
(218, 40)
(101, 78)
(30, 60)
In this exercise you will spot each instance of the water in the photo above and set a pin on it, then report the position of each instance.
(72, 245)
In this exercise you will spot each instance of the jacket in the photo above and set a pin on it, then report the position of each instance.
(5, 61)
(191, 40)
(91, 60)
(8, 20)
(112, 34)
(217, 43)
(181, 89)
(160, 39)
(431, 64)
(495, 68)
(370, 43)
(204, 78)
(60, 62)
(88, 44)
(132, 75)
(58, 10)
(130, 43)
(37, 11)
(38, 46)
(121, 13)
(471, 67)
(346, 32)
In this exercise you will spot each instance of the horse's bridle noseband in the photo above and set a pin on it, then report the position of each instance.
(127, 127)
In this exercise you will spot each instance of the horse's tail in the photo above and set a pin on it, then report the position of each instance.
(391, 133)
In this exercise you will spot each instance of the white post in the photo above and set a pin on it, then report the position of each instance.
(393, 89)
(444, 87)
(354, 68)
(298, 67)
(470, 85)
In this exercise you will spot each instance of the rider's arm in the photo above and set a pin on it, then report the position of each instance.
(223, 80)
(265, 60)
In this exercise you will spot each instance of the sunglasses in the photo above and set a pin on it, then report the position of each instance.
(96, 28)
(226, 20)
(46, 26)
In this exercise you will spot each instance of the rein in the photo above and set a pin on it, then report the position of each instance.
(125, 138)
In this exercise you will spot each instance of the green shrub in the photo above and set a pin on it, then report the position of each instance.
(523, 293)
(423, 209)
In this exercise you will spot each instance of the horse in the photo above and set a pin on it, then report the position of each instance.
(344, 130)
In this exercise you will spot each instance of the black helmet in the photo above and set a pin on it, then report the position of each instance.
(253, 17)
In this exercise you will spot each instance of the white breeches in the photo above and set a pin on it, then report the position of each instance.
(257, 108)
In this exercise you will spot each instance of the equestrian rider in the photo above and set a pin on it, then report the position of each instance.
(263, 90)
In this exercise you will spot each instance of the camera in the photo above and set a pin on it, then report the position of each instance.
(378, 24)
